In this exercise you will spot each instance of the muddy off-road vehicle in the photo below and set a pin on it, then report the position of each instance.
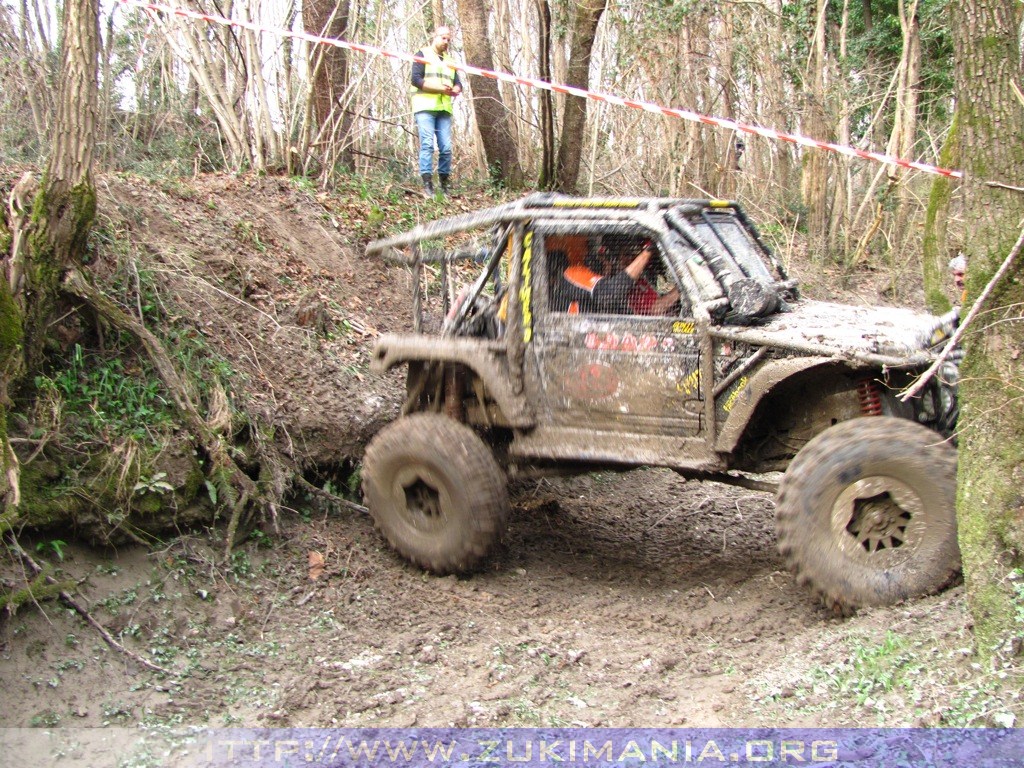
(548, 359)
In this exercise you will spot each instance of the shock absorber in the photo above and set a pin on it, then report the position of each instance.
(870, 396)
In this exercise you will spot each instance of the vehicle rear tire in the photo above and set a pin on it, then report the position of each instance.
(866, 513)
(435, 492)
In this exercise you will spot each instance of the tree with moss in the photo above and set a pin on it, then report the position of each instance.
(50, 223)
(47, 235)
(990, 503)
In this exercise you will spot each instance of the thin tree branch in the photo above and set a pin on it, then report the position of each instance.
(959, 333)
(1003, 186)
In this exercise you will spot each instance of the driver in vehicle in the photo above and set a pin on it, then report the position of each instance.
(581, 289)
(644, 298)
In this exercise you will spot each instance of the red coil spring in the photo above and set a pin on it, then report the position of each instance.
(870, 396)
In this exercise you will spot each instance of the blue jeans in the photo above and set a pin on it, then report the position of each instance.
(433, 125)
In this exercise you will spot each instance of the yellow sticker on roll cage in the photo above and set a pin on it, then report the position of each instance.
(526, 288)
(687, 327)
(595, 204)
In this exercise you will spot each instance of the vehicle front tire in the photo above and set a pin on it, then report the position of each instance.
(866, 513)
(435, 492)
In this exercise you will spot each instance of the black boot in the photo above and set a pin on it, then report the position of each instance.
(428, 185)
(444, 183)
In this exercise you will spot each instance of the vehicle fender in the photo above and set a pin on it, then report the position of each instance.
(488, 360)
(759, 385)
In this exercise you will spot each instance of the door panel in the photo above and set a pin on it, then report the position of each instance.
(610, 372)
(620, 374)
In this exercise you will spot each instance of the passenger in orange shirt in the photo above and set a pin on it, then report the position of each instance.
(587, 291)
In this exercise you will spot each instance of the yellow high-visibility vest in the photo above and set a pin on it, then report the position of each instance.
(437, 73)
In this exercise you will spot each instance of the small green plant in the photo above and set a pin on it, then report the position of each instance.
(304, 184)
(872, 669)
(154, 484)
(115, 711)
(108, 399)
(355, 483)
(162, 646)
(45, 719)
(211, 490)
(114, 603)
(241, 566)
(56, 546)
(262, 539)
(245, 232)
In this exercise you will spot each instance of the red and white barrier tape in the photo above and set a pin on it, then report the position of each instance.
(530, 82)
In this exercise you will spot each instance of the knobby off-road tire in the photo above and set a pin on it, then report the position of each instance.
(866, 513)
(435, 492)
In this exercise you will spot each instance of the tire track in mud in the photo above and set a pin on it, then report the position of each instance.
(614, 600)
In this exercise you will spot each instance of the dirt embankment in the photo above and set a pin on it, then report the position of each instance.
(269, 277)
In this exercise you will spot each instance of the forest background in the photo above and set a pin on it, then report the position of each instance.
(179, 95)
(916, 80)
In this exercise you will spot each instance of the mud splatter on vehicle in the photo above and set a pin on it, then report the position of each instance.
(563, 355)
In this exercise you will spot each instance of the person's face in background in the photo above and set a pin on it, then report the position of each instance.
(958, 279)
(442, 39)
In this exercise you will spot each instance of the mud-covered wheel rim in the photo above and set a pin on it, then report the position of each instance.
(879, 518)
(435, 492)
(421, 499)
(866, 513)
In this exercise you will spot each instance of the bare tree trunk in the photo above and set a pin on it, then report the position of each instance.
(33, 70)
(570, 150)
(330, 76)
(990, 509)
(547, 119)
(901, 140)
(728, 163)
(491, 114)
(814, 183)
(67, 184)
(841, 208)
(217, 86)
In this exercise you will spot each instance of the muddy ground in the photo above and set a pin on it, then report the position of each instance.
(614, 600)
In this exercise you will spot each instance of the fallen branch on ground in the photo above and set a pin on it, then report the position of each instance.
(78, 608)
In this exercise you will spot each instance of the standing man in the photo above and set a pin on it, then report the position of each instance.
(434, 85)
(958, 271)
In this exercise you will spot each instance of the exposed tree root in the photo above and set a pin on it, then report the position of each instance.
(38, 589)
(235, 489)
(330, 497)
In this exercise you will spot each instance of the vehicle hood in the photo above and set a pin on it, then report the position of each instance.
(852, 331)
